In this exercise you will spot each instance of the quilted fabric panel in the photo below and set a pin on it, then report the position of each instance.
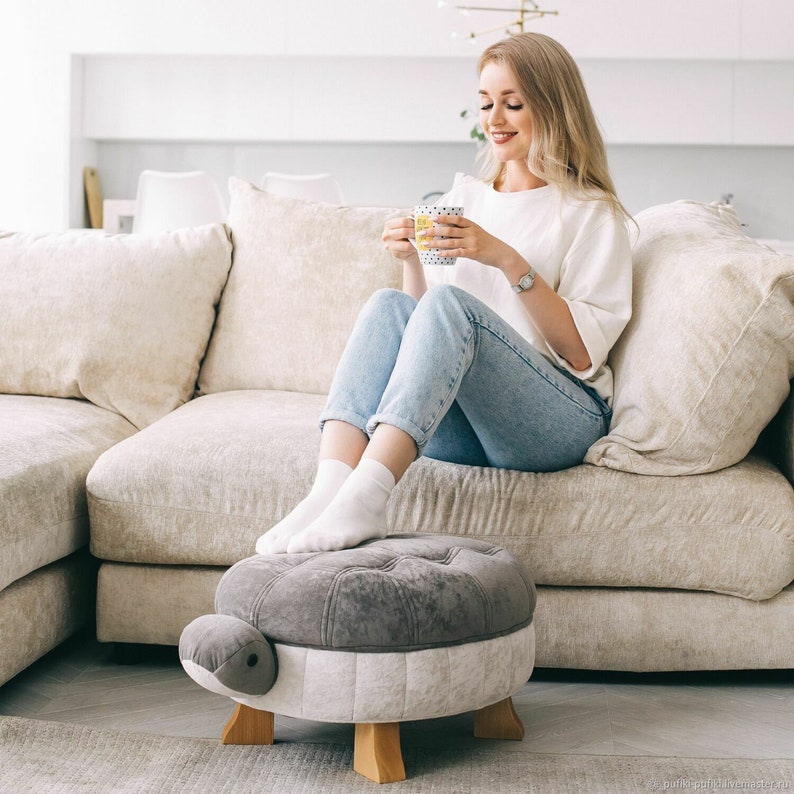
(341, 686)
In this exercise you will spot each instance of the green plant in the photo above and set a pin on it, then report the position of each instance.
(475, 133)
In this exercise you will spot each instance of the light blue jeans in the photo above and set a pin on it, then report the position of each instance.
(463, 384)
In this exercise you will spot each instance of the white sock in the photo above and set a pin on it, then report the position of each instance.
(331, 474)
(357, 513)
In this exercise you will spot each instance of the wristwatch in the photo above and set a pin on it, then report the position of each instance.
(525, 282)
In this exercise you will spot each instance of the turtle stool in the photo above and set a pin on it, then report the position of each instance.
(405, 628)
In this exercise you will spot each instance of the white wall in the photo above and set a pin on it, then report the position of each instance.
(719, 73)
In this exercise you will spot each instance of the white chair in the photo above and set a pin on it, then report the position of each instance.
(315, 187)
(171, 200)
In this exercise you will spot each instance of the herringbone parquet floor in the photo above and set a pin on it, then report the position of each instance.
(748, 715)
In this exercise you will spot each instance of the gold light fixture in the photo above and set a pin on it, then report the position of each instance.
(526, 11)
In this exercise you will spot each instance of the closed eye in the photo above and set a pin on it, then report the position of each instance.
(508, 106)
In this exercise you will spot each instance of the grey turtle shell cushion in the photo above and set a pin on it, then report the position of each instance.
(391, 596)
(402, 593)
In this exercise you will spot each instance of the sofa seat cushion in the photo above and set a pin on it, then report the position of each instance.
(48, 446)
(199, 486)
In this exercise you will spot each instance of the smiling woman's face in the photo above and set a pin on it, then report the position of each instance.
(504, 114)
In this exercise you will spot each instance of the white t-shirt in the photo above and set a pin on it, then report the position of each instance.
(579, 247)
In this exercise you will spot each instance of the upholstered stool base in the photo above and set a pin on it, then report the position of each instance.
(378, 691)
(347, 686)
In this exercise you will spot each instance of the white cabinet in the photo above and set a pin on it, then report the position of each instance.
(294, 98)
(188, 98)
(276, 98)
(679, 72)
(662, 102)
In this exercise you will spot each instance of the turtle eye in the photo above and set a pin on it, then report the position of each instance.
(252, 660)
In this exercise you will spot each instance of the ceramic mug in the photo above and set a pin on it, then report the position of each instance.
(425, 218)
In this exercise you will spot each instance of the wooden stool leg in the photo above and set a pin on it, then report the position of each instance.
(248, 726)
(498, 721)
(377, 754)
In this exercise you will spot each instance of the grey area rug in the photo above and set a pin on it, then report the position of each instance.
(59, 758)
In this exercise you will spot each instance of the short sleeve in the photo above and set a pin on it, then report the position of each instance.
(596, 283)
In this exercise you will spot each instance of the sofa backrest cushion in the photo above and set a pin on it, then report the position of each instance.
(707, 357)
(120, 320)
(301, 272)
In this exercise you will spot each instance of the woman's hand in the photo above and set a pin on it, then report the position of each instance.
(455, 236)
(397, 236)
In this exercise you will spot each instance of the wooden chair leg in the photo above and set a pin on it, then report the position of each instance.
(377, 754)
(498, 721)
(249, 726)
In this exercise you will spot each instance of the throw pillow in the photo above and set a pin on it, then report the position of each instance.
(707, 357)
(302, 271)
(120, 320)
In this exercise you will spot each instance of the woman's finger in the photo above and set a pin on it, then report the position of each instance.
(441, 232)
(397, 230)
(399, 224)
(453, 220)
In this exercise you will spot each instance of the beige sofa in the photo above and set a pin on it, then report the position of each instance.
(670, 548)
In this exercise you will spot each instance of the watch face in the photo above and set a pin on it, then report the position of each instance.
(526, 281)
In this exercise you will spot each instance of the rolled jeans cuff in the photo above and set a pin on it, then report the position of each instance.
(343, 415)
(419, 436)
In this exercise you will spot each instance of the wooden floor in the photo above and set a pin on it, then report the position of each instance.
(733, 715)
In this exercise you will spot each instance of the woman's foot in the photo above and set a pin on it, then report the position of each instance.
(331, 475)
(357, 513)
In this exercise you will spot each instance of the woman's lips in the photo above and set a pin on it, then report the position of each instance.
(502, 137)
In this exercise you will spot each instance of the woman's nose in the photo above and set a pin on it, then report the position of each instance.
(495, 117)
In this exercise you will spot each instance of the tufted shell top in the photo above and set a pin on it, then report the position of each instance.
(402, 593)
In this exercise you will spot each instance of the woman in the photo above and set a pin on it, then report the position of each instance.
(502, 362)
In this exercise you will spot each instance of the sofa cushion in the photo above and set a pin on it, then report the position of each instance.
(200, 486)
(301, 272)
(204, 482)
(706, 359)
(48, 445)
(120, 320)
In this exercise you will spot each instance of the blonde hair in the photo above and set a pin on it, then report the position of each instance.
(567, 148)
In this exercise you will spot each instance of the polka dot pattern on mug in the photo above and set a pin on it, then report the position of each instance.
(423, 219)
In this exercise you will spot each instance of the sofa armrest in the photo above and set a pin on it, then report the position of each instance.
(777, 440)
